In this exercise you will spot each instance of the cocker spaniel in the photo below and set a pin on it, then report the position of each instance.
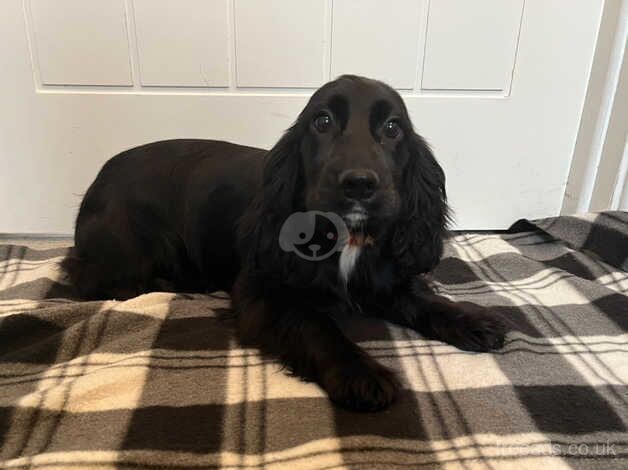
(343, 213)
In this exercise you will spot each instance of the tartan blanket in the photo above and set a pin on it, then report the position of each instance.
(159, 381)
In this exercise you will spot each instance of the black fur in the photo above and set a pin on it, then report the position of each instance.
(197, 215)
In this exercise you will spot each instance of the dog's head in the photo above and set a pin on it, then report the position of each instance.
(353, 152)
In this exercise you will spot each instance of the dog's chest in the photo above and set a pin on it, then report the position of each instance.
(348, 261)
(361, 268)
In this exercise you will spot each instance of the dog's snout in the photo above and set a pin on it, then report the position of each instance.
(358, 184)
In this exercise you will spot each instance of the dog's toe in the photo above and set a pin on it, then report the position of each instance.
(364, 386)
(480, 332)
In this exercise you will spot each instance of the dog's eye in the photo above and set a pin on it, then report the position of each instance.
(392, 129)
(322, 123)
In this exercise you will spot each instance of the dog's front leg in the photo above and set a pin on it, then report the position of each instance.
(465, 325)
(309, 343)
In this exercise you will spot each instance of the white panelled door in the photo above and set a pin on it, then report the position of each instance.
(496, 86)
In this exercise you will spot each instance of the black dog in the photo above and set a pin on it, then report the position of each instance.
(197, 215)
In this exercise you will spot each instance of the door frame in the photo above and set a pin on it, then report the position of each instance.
(598, 178)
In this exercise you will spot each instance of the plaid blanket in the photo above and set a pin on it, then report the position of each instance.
(160, 382)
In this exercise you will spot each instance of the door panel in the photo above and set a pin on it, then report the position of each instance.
(280, 43)
(81, 43)
(471, 45)
(495, 86)
(183, 43)
(378, 42)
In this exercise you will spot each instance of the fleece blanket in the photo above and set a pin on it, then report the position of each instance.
(159, 381)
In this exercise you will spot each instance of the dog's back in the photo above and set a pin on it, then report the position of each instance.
(162, 217)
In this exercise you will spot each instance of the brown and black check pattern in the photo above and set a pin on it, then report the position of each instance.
(159, 381)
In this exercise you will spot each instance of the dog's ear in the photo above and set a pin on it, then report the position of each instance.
(260, 226)
(418, 236)
(282, 171)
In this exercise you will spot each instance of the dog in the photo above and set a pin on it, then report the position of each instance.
(346, 212)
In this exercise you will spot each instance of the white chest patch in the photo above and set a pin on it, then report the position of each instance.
(348, 259)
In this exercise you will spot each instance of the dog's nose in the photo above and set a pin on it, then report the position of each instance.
(358, 184)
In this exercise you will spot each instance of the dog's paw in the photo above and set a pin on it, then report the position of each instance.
(478, 330)
(362, 386)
